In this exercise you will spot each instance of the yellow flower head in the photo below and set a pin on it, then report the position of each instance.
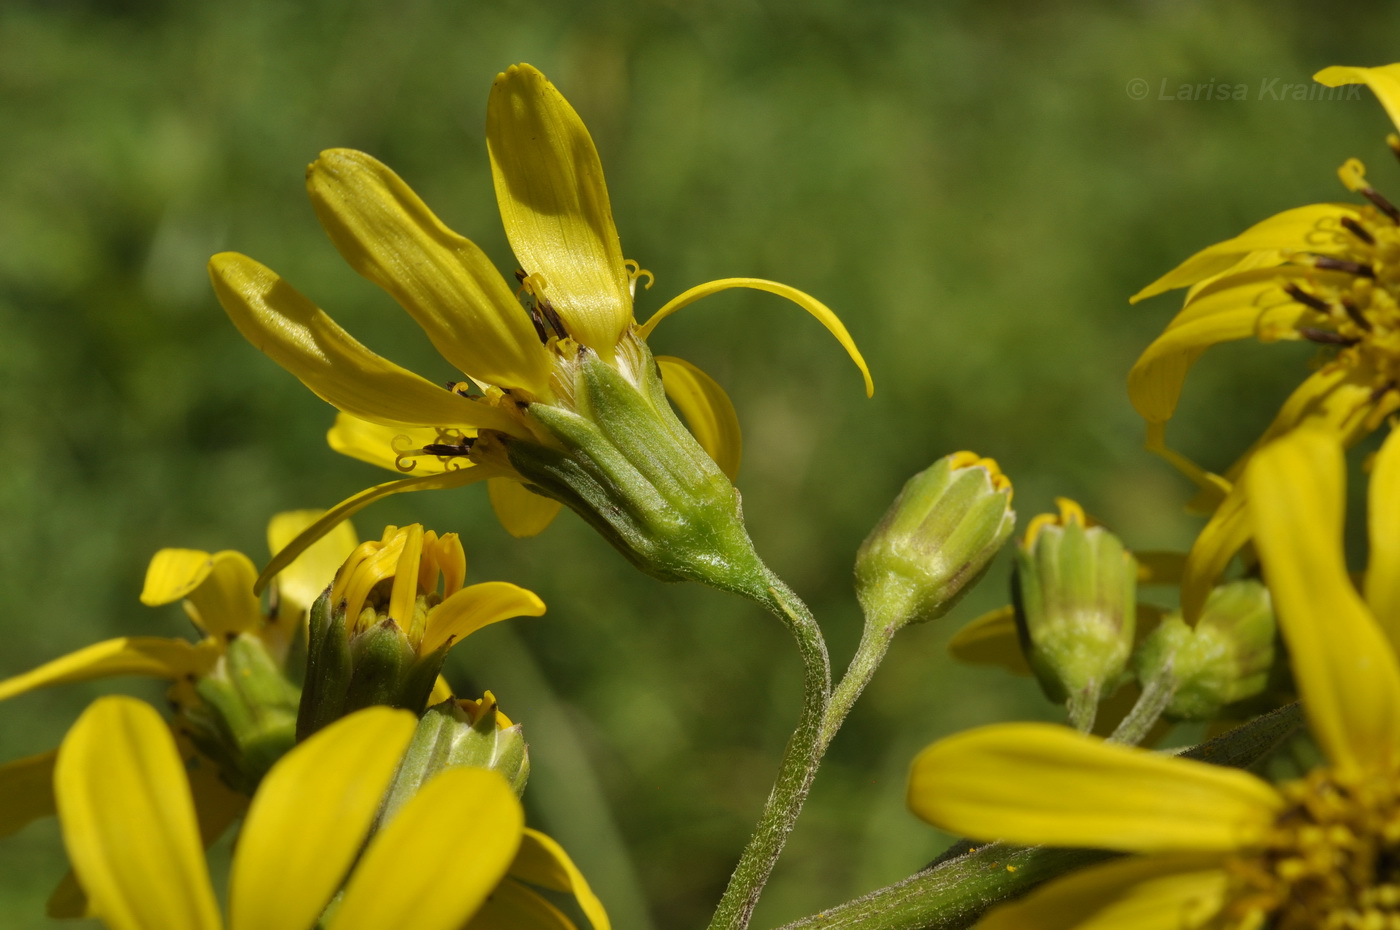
(515, 345)
(1226, 848)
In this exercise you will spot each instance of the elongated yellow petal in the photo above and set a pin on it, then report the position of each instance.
(377, 444)
(1168, 892)
(26, 785)
(1314, 228)
(357, 502)
(991, 639)
(439, 859)
(128, 820)
(386, 233)
(151, 656)
(1249, 304)
(512, 906)
(297, 335)
(218, 588)
(815, 307)
(311, 572)
(554, 204)
(1224, 534)
(521, 511)
(1346, 673)
(1383, 512)
(707, 411)
(476, 606)
(1035, 783)
(309, 819)
(543, 862)
(1383, 81)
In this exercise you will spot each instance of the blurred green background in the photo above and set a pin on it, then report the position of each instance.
(974, 187)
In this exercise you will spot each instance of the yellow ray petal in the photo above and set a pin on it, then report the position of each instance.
(152, 656)
(357, 502)
(707, 411)
(297, 335)
(309, 819)
(815, 307)
(512, 906)
(27, 788)
(476, 606)
(442, 691)
(1248, 304)
(521, 511)
(1315, 228)
(991, 639)
(554, 204)
(301, 582)
(128, 820)
(543, 862)
(375, 443)
(386, 233)
(1346, 672)
(1383, 81)
(1383, 512)
(1035, 783)
(218, 588)
(439, 859)
(1224, 534)
(1169, 892)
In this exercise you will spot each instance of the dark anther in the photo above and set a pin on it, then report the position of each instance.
(1385, 206)
(1306, 299)
(1357, 230)
(1356, 315)
(553, 316)
(538, 324)
(1326, 337)
(1328, 263)
(520, 275)
(449, 449)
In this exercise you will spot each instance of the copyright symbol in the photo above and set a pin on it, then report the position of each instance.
(1137, 89)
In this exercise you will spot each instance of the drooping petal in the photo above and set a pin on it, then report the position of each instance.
(357, 502)
(1383, 81)
(310, 817)
(1383, 512)
(297, 335)
(1224, 535)
(128, 820)
(1346, 672)
(218, 588)
(807, 302)
(26, 791)
(311, 572)
(521, 511)
(512, 906)
(543, 862)
(1035, 783)
(1168, 892)
(476, 606)
(991, 639)
(1314, 228)
(151, 656)
(1232, 309)
(707, 410)
(554, 204)
(386, 233)
(439, 859)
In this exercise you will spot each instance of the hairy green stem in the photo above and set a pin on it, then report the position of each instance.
(1157, 694)
(799, 765)
(874, 643)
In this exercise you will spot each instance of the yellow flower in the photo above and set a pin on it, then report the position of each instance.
(457, 854)
(1327, 273)
(516, 349)
(1225, 848)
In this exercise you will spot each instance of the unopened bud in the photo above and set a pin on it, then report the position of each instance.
(935, 541)
(1226, 657)
(1074, 587)
(246, 717)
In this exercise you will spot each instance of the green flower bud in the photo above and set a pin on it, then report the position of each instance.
(1074, 588)
(456, 733)
(1227, 657)
(613, 450)
(935, 541)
